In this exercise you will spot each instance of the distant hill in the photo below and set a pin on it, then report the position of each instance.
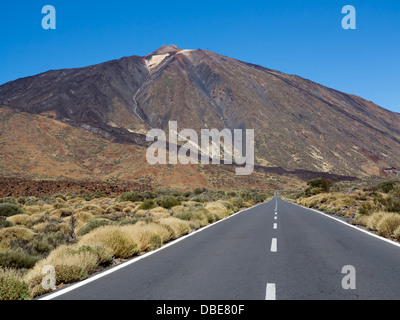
(90, 123)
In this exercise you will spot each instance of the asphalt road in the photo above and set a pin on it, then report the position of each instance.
(275, 250)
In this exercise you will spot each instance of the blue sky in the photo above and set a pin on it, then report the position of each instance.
(302, 37)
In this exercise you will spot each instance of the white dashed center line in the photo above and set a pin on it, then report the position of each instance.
(270, 292)
(274, 246)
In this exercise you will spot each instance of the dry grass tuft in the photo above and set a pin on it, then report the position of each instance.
(388, 224)
(373, 219)
(21, 219)
(14, 233)
(13, 286)
(113, 238)
(217, 209)
(177, 227)
(71, 263)
(148, 236)
(158, 213)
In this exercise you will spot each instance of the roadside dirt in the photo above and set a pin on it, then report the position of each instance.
(17, 187)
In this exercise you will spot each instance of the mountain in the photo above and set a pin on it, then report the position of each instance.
(97, 117)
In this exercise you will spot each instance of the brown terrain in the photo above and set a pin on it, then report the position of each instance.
(19, 187)
(88, 125)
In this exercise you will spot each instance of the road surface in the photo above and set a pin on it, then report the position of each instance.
(275, 250)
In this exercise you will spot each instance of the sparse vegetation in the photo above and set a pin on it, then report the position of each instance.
(79, 234)
(375, 207)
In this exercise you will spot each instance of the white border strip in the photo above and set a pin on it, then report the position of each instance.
(136, 259)
(348, 224)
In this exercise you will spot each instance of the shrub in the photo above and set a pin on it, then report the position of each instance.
(388, 224)
(149, 195)
(93, 209)
(391, 203)
(17, 260)
(238, 202)
(147, 204)
(176, 226)
(199, 190)
(374, 219)
(216, 209)
(187, 194)
(232, 194)
(366, 208)
(130, 196)
(114, 238)
(332, 210)
(114, 208)
(157, 213)
(387, 186)
(200, 198)
(148, 236)
(12, 286)
(197, 216)
(93, 224)
(252, 195)
(5, 223)
(70, 263)
(31, 201)
(156, 242)
(44, 243)
(168, 202)
(40, 244)
(63, 212)
(318, 185)
(10, 209)
(229, 207)
(21, 219)
(104, 255)
(14, 233)
(9, 200)
(67, 273)
(59, 205)
(360, 220)
(83, 215)
(259, 197)
(55, 226)
(184, 215)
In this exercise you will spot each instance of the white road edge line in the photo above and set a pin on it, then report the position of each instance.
(270, 292)
(348, 224)
(133, 260)
(274, 246)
